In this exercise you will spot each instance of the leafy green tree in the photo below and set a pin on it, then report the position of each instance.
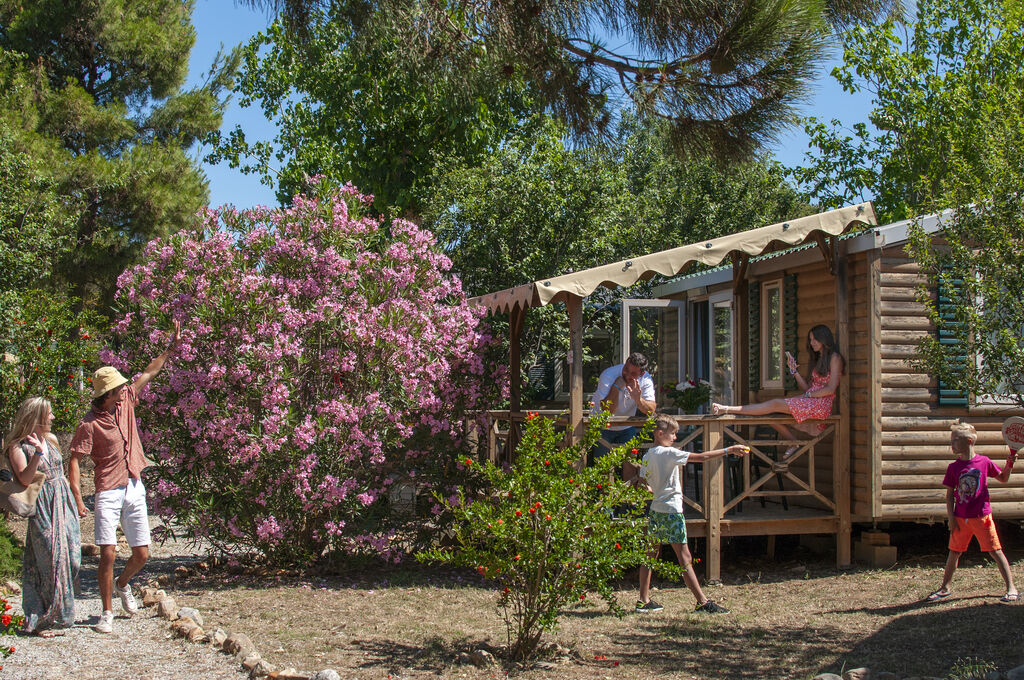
(726, 74)
(357, 114)
(535, 208)
(946, 132)
(92, 91)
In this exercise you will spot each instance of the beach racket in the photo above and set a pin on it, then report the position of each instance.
(1013, 432)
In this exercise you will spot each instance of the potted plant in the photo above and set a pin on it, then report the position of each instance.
(689, 395)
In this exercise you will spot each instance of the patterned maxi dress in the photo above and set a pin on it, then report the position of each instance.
(53, 552)
(812, 408)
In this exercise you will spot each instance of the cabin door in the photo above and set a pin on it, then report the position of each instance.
(655, 327)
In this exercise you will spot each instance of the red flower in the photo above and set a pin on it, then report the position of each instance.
(5, 619)
(501, 521)
(618, 546)
(635, 451)
(469, 463)
(599, 486)
(506, 591)
(572, 481)
(533, 510)
(583, 597)
(519, 513)
(547, 516)
(85, 336)
(537, 504)
(615, 663)
(547, 462)
(518, 557)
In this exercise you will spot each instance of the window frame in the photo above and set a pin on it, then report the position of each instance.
(765, 344)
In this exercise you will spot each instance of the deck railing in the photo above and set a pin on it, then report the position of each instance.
(715, 492)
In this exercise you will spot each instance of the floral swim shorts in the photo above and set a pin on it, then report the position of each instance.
(667, 527)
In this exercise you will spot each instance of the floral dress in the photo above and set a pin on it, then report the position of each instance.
(53, 551)
(812, 408)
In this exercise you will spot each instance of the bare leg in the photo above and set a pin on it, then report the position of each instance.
(645, 576)
(1004, 571)
(689, 576)
(105, 575)
(762, 409)
(140, 554)
(947, 575)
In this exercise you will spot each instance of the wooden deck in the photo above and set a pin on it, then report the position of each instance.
(758, 495)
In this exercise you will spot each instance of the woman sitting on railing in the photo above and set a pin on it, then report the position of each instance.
(816, 401)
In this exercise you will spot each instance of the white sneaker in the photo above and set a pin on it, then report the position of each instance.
(106, 624)
(128, 603)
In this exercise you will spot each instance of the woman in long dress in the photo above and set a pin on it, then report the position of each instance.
(827, 367)
(53, 540)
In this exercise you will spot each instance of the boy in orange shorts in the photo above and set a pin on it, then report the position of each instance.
(968, 508)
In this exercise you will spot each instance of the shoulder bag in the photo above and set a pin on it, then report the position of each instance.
(14, 497)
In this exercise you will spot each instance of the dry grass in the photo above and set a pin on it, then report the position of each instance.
(791, 618)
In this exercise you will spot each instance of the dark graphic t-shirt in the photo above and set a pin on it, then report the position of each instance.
(969, 481)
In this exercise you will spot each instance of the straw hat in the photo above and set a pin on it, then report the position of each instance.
(106, 379)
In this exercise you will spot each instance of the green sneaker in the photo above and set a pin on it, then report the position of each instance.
(648, 607)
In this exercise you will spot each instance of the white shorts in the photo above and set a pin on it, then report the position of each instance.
(127, 505)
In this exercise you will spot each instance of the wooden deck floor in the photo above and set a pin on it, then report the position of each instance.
(772, 519)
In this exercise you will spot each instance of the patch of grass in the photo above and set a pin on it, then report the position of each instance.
(970, 669)
(11, 550)
(414, 622)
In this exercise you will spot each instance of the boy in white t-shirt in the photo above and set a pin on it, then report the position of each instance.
(660, 469)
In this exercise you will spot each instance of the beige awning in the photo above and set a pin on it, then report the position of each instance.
(676, 260)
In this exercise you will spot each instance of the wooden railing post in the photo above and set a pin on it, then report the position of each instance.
(714, 500)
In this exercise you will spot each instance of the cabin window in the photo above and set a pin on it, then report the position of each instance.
(722, 346)
(771, 334)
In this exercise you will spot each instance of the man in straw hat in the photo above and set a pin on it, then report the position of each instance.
(110, 436)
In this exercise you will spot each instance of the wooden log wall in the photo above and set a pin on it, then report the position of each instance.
(913, 428)
(861, 371)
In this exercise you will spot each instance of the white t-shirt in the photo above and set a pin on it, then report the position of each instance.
(625, 406)
(660, 468)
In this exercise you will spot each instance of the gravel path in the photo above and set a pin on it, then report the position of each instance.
(140, 648)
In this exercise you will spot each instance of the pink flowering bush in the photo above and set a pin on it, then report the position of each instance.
(327, 357)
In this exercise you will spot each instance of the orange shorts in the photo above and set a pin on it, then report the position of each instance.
(982, 527)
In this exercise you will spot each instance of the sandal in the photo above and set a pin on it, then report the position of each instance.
(937, 595)
(1010, 597)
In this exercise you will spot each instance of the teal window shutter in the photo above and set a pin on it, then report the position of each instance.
(790, 326)
(754, 334)
(949, 290)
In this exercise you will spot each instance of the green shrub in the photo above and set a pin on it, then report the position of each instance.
(11, 550)
(545, 534)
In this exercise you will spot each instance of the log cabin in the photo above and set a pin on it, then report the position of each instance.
(880, 457)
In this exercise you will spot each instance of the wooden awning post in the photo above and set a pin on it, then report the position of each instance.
(841, 460)
(714, 488)
(574, 305)
(515, 372)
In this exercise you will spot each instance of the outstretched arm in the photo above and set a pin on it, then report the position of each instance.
(1004, 476)
(158, 362)
(734, 450)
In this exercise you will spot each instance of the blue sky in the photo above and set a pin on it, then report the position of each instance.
(223, 23)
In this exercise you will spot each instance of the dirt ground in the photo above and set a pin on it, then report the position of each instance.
(792, 617)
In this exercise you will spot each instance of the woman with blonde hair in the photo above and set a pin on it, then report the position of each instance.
(53, 539)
